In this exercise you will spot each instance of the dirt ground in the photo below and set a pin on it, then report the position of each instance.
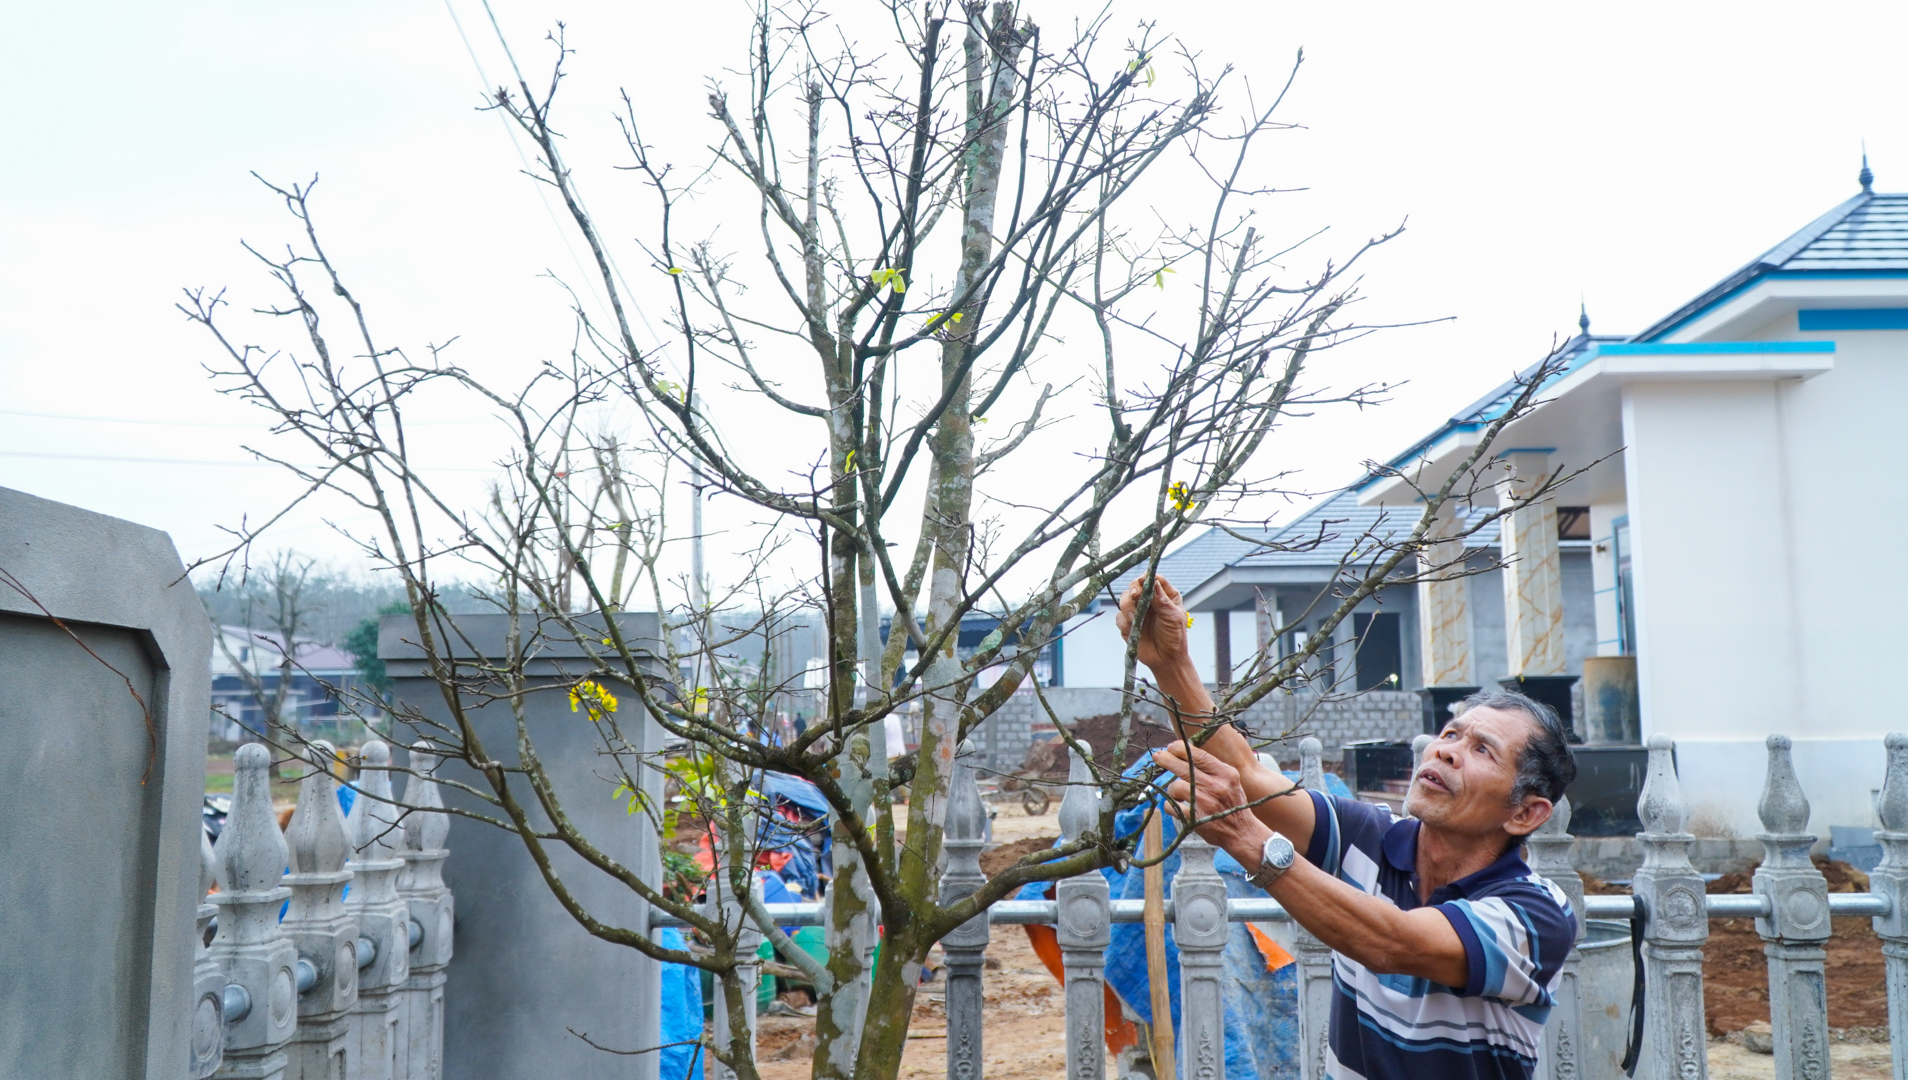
(1025, 1017)
(1025, 1024)
(1025, 1012)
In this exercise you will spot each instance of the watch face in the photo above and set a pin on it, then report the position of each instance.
(1279, 851)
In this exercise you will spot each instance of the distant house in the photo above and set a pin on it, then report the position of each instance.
(310, 700)
(1244, 586)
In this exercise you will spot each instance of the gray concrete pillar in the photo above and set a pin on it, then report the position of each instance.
(1890, 879)
(384, 920)
(966, 947)
(324, 932)
(259, 961)
(1084, 925)
(1676, 1042)
(1549, 847)
(1797, 925)
(433, 915)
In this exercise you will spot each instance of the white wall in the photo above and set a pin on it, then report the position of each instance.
(1716, 644)
(1095, 655)
(1764, 523)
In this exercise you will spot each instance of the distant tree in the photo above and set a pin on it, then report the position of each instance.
(362, 644)
(276, 605)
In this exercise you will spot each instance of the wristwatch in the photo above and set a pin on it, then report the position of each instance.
(1275, 858)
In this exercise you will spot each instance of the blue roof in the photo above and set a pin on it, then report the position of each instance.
(1867, 234)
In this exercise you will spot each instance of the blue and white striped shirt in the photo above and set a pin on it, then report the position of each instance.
(1517, 928)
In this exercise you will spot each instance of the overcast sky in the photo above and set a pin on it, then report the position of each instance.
(1628, 154)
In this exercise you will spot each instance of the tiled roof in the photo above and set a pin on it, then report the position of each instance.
(266, 651)
(1194, 561)
(1328, 533)
(1872, 236)
(1865, 234)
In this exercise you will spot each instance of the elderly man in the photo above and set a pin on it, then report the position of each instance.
(1446, 947)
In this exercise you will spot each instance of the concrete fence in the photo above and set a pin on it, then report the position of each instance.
(1790, 903)
(328, 958)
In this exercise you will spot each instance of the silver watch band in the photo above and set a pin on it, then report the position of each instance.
(1268, 870)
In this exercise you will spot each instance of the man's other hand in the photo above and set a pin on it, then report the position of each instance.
(1162, 645)
(1206, 787)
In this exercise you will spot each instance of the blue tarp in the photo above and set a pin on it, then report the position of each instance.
(804, 867)
(681, 1013)
(796, 790)
(1261, 1006)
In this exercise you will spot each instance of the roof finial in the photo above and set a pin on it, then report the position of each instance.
(1583, 317)
(1867, 176)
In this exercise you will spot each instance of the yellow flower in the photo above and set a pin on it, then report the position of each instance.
(590, 696)
(1181, 496)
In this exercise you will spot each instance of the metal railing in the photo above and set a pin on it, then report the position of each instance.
(1790, 904)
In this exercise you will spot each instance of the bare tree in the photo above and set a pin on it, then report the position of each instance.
(1072, 240)
(276, 608)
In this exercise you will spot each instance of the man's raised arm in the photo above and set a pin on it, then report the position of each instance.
(1163, 649)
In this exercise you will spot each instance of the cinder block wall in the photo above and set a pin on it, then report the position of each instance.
(1285, 718)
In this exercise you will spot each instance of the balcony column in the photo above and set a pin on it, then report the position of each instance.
(1533, 587)
(1444, 621)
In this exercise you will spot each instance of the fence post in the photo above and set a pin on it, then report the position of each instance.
(1563, 1035)
(207, 1039)
(432, 911)
(1797, 925)
(1890, 879)
(384, 923)
(966, 946)
(258, 960)
(324, 933)
(728, 909)
(1084, 925)
(1671, 891)
(1314, 956)
(1200, 930)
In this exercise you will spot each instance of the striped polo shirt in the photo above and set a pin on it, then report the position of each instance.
(1517, 928)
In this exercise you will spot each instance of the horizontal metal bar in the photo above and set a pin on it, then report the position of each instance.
(1024, 912)
(1873, 905)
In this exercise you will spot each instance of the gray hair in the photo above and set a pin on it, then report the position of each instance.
(1545, 765)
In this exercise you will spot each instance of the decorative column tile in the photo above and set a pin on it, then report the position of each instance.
(1533, 573)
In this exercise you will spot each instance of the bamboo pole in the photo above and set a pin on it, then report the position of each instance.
(1164, 1058)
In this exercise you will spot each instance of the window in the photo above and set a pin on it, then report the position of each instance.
(1626, 591)
(1380, 658)
(1573, 523)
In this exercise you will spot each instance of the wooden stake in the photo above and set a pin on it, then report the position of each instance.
(1164, 1059)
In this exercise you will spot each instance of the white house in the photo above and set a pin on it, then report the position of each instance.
(1737, 510)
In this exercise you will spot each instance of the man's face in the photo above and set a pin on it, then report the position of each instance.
(1463, 782)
